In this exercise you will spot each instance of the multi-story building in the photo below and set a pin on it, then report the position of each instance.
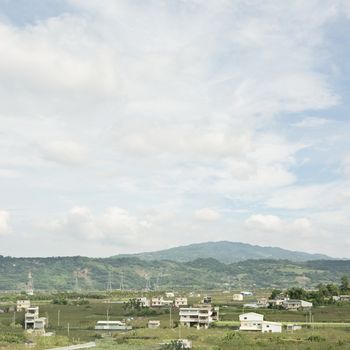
(145, 302)
(252, 321)
(180, 302)
(32, 319)
(160, 301)
(22, 305)
(199, 316)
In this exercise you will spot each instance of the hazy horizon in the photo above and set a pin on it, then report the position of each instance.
(132, 126)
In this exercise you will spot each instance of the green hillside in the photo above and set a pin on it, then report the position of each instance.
(59, 273)
(227, 252)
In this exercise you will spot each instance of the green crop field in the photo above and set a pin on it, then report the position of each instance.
(74, 323)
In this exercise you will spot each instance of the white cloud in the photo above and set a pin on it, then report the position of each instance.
(9, 173)
(207, 214)
(184, 102)
(5, 227)
(65, 152)
(113, 225)
(299, 197)
(312, 122)
(271, 225)
(345, 166)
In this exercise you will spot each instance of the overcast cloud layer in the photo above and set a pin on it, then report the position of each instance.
(138, 125)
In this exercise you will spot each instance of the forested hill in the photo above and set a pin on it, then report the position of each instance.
(226, 252)
(92, 274)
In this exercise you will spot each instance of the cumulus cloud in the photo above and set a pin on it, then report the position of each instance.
(181, 102)
(5, 227)
(312, 122)
(65, 152)
(113, 225)
(207, 214)
(272, 225)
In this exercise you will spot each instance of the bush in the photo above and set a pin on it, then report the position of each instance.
(60, 301)
(316, 338)
(231, 337)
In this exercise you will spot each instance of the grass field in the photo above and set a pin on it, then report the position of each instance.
(82, 318)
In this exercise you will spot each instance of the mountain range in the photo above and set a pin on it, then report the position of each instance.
(226, 252)
(212, 265)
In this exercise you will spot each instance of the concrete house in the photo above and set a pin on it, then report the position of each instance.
(251, 321)
(237, 297)
(32, 319)
(262, 302)
(294, 304)
(160, 301)
(22, 305)
(112, 326)
(341, 297)
(207, 299)
(201, 316)
(293, 327)
(271, 327)
(276, 302)
(169, 294)
(153, 324)
(180, 302)
(145, 302)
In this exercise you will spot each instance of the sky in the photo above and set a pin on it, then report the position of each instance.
(129, 126)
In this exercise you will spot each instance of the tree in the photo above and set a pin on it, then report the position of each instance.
(275, 293)
(344, 284)
(296, 293)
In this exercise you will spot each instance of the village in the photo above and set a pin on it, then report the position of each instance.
(167, 319)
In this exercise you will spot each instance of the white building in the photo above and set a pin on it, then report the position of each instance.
(251, 306)
(262, 302)
(271, 327)
(237, 297)
(32, 319)
(247, 293)
(276, 302)
(293, 327)
(160, 301)
(112, 326)
(169, 294)
(181, 302)
(200, 316)
(293, 304)
(145, 302)
(251, 321)
(186, 344)
(22, 305)
(153, 324)
(341, 297)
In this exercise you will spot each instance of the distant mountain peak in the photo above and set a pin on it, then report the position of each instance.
(226, 252)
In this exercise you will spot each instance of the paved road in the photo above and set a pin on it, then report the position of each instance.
(313, 324)
(91, 344)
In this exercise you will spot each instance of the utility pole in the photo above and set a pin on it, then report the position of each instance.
(76, 287)
(109, 283)
(170, 320)
(68, 328)
(58, 317)
(122, 280)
